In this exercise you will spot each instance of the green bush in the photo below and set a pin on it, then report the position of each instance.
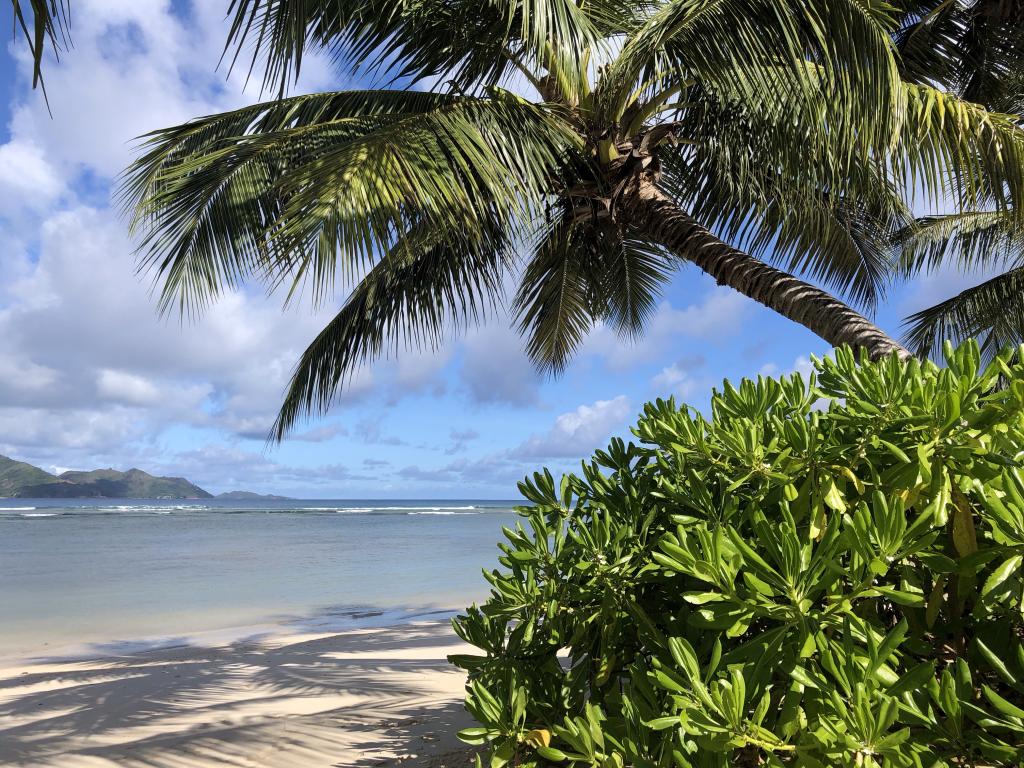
(825, 573)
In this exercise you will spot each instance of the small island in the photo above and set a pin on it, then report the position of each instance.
(250, 496)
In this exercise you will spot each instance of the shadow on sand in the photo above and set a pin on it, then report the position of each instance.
(370, 697)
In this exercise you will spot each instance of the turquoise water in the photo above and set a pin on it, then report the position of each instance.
(102, 571)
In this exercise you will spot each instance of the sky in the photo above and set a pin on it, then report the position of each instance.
(91, 376)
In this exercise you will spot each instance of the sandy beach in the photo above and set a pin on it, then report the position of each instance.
(272, 699)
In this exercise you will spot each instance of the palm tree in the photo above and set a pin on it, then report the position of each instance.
(975, 50)
(747, 137)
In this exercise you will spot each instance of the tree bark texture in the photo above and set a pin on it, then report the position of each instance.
(664, 222)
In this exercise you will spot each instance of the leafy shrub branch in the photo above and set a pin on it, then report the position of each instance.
(827, 571)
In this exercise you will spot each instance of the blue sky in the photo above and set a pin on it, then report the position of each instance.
(90, 376)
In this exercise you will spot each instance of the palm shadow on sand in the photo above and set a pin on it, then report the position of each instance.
(374, 697)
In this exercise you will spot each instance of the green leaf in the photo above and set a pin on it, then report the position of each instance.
(1001, 704)
(833, 498)
(964, 536)
(900, 597)
(1005, 570)
(913, 679)
(804, 677)
(998, 665)
(888, 646)
(895, 451)
(503, 755)
(476, 735)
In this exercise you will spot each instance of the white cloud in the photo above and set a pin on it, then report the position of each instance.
(218, 468)
(495, 368)
(126, 388)
(319, 434)
(136, 66)
(42, 430)
(87, 369)
(26, 177)
(460, 440)
(573, 436)
(369, 431)
(417, 370)
(578, 432)
(22, 377)
(674, 380)
(803, 366)
(720, 314)
(421, 475)
(83, 332)
(678, 378)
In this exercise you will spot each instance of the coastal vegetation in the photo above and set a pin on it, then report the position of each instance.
(827, 571)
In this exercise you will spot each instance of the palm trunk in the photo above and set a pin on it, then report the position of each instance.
(664, 222)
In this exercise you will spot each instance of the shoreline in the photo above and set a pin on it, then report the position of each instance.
(313, 691)
(86, 576)
(339, 620)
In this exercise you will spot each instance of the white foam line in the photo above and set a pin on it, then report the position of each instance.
(399, 509)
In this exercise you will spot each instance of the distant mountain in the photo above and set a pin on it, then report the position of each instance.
(17, 474)
(26, 481)
(250, 496)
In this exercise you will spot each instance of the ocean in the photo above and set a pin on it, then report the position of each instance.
(110, 574)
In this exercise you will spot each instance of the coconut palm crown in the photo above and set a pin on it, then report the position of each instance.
(579, 150)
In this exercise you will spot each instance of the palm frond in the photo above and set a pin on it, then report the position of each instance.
(425, 286)
(759, 185)
(844, 244)
(584, 270)
(633, 276)
(756, 180)
(973, 239)
(303, 189)
(43, 22)
(928, 39)
(555, 303)
(468, 42)
(973, 49)
(992, 311)
(954, 151)
(764, 61)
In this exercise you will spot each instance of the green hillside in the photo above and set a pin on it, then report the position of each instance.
(17, 474)
(26, 481)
